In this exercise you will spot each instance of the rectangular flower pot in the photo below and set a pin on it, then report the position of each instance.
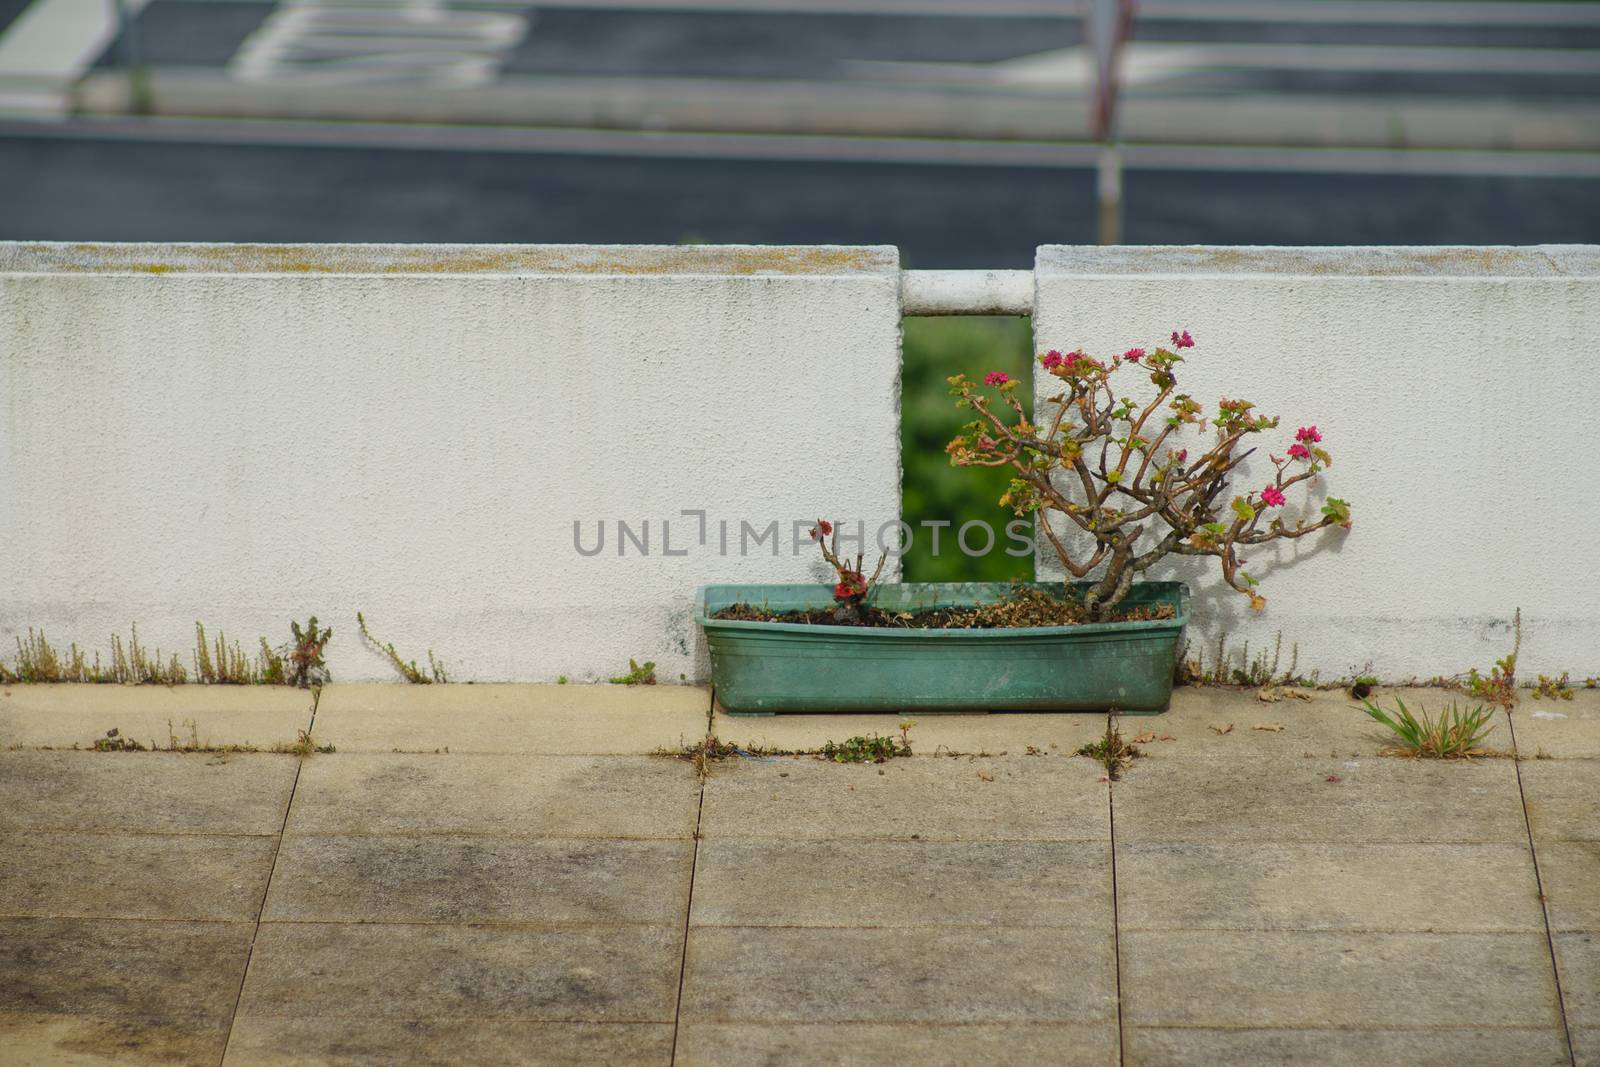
(761, 668)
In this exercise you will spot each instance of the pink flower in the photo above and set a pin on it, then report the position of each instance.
(1308, 433)
(1183, 454)
(826, 527)
(1182, 339)
(1133, 355)
(1299, 452)
(996, 377)
(1272, 496)
(1052, 359)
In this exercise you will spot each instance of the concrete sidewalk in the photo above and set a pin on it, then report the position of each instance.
(506, 874)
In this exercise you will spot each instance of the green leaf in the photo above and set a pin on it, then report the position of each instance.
(1242, 508)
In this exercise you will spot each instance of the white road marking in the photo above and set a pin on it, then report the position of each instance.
(333, 43)
(1146, 63)
(47, 47)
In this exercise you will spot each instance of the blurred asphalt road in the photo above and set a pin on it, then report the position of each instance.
(81, 186)
(943, 126)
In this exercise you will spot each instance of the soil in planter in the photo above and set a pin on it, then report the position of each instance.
(1020, 608)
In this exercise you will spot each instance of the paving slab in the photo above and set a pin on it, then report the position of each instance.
(431, 972)
(1020, 798)
(1279, 979)
(272, 1042)
(158, 716)
(1578, 959)
(38, 1039)
(1570, 871)
(1458, 888)
(512, 718)
(124, 876)
(1563, 798)
(1321, 799)
(480, 880)
(564, 796)
(1586, 1046)
(145, 792)
(1565, 729)
(907, 975)
(1010, 733)
(1345, 1048)
(1199, 721)
(742, 882)
(160, 991)
(871, 1044)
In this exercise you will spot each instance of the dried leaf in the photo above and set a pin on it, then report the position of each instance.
(1267, 695)
(1220, 730)
(985, 776)
(1333, 778)
(1143, 739)
(1269, 727)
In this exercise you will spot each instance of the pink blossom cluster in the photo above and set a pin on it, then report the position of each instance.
(996, 377)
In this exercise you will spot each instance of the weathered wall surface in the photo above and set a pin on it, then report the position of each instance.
(1456, 389)
(243, 434)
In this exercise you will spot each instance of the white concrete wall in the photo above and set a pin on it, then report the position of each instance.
(1458, 391)
(243, 434)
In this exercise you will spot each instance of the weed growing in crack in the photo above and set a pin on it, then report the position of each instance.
(1258, 672)
(638, 674)
(306, 666)
(1500, 687)
(875, 748)
(1554, 688)
(218, 663)
(113, 741)
(408, 670)
(1456, 734)
(702, 753)
(1112, 752)
(304, 745)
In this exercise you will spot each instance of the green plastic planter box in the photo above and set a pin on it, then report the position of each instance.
(762, 668)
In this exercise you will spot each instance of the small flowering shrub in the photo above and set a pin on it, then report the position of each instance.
(852, 587)
(1113, 468)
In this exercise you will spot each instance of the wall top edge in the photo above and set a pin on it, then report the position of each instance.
(1444, 261)
(399, 259)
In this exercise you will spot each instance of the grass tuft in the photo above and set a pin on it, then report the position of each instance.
(1456, 734)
